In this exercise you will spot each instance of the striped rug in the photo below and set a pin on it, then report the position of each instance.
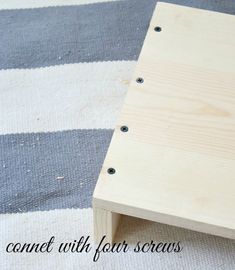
(65, 66)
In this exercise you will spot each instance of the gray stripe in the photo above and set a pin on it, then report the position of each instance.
(71, 34)
(31, 163)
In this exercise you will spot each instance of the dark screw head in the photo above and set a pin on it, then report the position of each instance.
(139, 80)
(158, 29)
(124, 128)
(111, 171)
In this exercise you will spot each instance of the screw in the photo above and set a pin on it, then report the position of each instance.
(139, 80)
(158, 29)
(111, 171)
(124, 128)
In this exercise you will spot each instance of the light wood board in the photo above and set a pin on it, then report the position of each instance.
(176, 163)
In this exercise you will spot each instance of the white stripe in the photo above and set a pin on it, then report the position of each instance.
(73, 96)
(21, 4)
(200, 251)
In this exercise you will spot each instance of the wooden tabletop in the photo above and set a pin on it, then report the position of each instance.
(176, 162)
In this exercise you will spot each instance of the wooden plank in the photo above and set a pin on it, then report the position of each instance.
(176, 162)
(105, 224)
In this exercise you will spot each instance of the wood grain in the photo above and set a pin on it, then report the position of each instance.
(176, 164)
(105, 224)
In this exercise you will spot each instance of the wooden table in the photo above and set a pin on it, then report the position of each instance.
(172, 155)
